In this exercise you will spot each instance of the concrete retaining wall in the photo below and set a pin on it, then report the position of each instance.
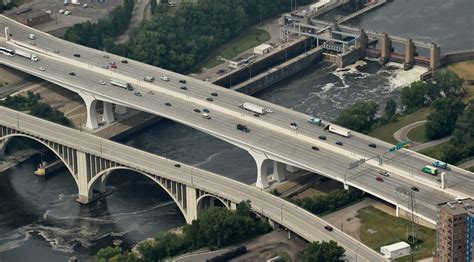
(457, 57)
(280, 72)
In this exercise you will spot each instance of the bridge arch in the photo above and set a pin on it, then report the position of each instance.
(102, 177)
(60, 157)
(202, 202)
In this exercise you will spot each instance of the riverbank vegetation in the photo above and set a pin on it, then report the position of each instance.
(323, 251)
(333, 201)
(31, 105)
(216, 227)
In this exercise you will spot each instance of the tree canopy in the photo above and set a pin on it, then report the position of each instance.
(323, 252)
(441, 122)
(359, 117)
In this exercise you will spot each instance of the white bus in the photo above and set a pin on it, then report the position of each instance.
(121, 84)
(6, 51)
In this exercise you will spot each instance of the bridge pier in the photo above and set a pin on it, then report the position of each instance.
(108, 115)
(435, 56)
(363, 41)
(191, 204)
(82, 174)
(121, 110)
(385, 48)
(91, 103)
(278, 171)
(409, 54)
(3, 146)
(262, 176)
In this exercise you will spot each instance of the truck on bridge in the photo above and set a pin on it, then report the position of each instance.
(27, 55)
(121, 84)
(338, 130)
(254, 108)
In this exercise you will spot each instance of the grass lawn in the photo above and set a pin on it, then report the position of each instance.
(418, 134)
(248, 39)
(385, 132)
(463, 69)
(471, 169)
(380, 229)
(435, 151)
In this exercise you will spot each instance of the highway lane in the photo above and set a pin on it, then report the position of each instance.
(323, 161)
(296, 219)
(357, 144)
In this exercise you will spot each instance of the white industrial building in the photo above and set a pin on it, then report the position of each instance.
(262, 49)
(396, 250)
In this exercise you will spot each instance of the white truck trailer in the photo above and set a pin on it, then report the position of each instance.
(338, 130)
(27, 55)
(254, 108)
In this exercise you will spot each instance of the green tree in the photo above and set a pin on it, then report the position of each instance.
(414, 96)
(153, 6)
(109, 254)
(359, 117)
(442, 121)
(390, 108)
(323, 252)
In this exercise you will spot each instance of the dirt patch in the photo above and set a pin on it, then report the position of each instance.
(9, 76)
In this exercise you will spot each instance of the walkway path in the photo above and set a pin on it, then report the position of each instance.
(402, 135)
(137, 16)
(467, 164)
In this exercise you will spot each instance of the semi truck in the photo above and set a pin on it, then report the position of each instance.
(121, 84)
(338, 130)
(252, 107)
(27, 55)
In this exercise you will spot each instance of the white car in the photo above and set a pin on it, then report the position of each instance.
(42, 68)
(102, 82)
(164, 78)
(294, 126)
(269, 110)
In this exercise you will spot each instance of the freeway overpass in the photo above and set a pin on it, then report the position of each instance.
(91, 159)
(270, 138)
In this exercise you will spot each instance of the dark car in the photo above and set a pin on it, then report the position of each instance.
(138, 94)
(322, 137)
(124, 61)
(243, 128)
(414, 188)
(328, 228)
(373, 145)
(184, 88)
(220, 71)
(339, 143)
(197, 110)
(182, 81)
(177, 165)
(105, 56)
(256, 115)
(209, 99)
(72, 73)
(77, 55)
(167, 104)
(315, 148)
(214, 94)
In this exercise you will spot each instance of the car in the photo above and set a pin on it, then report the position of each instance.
(124, 61)
(105, 56)
(42, 68)
(182, 81)
(197, 110)
(77, 55)
(328, 228)
(105, 66)
(243, 128)
(214, 94)
(293, 126)
(102, 82)
(138, 94)
(184, 88)
(112, 63)
(164, 78)
(167, 104)
(56, 51)
(439, 180)
(315, 121)
(209, 99)
(256, 115)
(315, 148)
(339, 143)
(205, 110)
(206, 116)
(269, 110)
(72, 73)
(220, 71)
(150, 92)
(114, 66)
(380, 179)
(177, 165)
(372, 145)
(383, 173)
(322, 137)
(414, 188)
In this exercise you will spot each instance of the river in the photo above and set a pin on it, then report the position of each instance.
(40, 221)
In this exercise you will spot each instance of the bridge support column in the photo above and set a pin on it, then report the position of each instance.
(363, 40)
(120, 109)
(262, 179)
(291, 169)
(278, 171)
(435, 53)
(82, 178)
(191, 204)
(108, 115)
(7, 33)
(3, 146)
(409, 54)
(91, 111)
(397, 211)
(385, 48)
